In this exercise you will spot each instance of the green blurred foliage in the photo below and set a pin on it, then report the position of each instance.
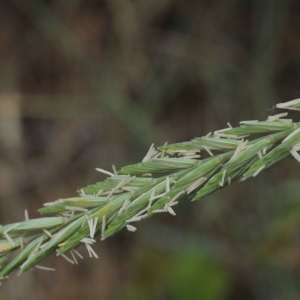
(185, 275)
(151, 270)
(198, 277)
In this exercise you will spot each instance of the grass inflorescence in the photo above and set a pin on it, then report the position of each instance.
(166, 176)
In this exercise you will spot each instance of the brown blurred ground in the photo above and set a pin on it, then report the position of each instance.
(86, 84)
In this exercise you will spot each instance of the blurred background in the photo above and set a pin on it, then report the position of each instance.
(87, 84)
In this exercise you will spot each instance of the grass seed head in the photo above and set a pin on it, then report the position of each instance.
(165, 177)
